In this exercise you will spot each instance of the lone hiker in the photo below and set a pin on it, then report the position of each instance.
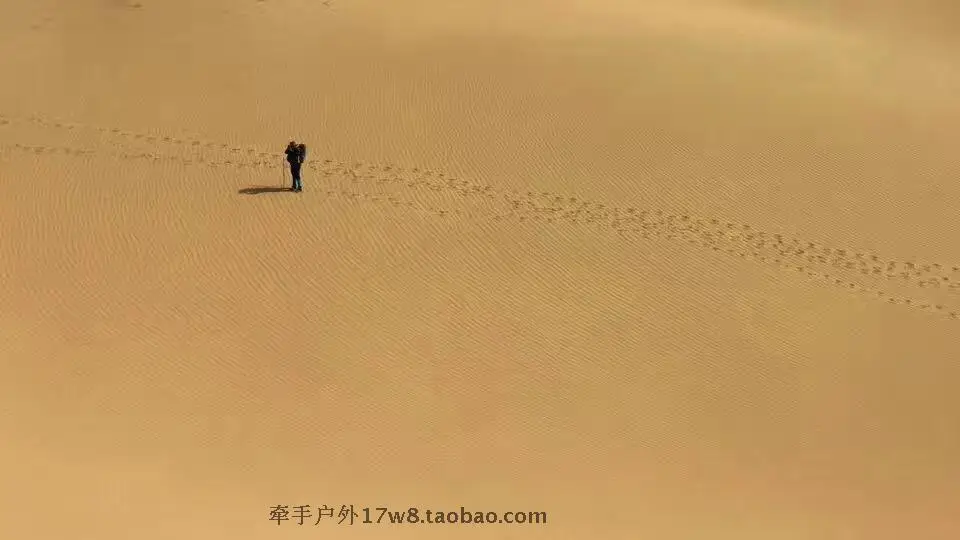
(295, 156)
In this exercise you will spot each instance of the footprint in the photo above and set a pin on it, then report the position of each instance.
(788, 250)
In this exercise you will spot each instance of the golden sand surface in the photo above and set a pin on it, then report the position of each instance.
(660, 269)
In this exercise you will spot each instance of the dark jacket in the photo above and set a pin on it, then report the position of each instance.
(293, 155)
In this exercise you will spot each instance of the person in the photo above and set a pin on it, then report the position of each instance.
(295, 159)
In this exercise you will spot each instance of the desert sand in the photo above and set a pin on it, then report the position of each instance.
(660, 269)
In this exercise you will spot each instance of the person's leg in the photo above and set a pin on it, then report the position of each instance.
(296, 178)
(293, 176)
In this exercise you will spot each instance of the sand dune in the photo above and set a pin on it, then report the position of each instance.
(658, 269)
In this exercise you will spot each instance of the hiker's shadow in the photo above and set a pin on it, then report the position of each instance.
(256, 190)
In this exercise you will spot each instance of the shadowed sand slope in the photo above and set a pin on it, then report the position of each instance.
(659, 269)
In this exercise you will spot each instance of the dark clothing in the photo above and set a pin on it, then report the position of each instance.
(295, 171)
(295, 157)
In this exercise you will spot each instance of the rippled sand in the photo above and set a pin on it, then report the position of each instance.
(660, 269)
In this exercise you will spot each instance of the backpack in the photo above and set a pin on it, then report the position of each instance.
(302, 152)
